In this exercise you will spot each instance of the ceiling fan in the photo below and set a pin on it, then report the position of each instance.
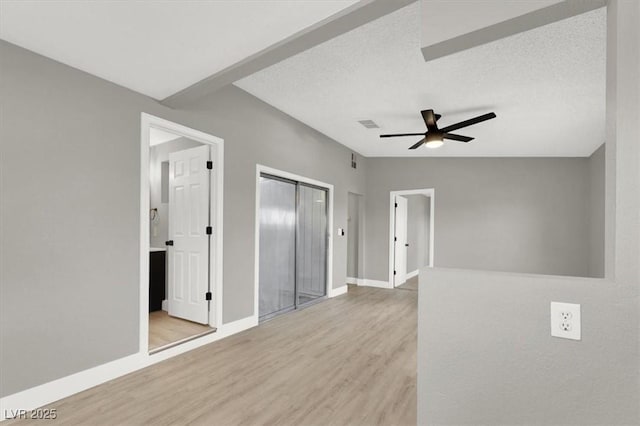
(434, 137)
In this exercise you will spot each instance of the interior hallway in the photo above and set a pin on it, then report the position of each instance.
(347, 360)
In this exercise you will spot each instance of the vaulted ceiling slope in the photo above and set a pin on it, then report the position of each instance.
(547, 87)
(156, 47)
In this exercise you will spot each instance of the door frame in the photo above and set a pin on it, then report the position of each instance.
(302, 179)
(428, 192)
(216, 186)
(400, 260)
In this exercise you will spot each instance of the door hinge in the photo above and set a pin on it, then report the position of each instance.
(210, 165)
(394, 272)
(208, 295)
(168, 243)
(209, 230)
(396, 205)
(395, 238)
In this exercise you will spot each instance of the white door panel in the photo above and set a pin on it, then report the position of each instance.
(400, 243)
(188, 221)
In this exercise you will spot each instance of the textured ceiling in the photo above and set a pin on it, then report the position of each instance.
(156, 47)
(547, 87)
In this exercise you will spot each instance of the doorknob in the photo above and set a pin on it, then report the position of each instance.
(168, 243)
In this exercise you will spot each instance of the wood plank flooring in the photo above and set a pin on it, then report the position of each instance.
(410, 284)
(350, 360)
(164, 329)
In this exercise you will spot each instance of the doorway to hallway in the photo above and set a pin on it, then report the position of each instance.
(411, 234)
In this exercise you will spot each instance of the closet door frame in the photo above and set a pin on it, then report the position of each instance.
(297, 233)
(272, 172)
(295, 249)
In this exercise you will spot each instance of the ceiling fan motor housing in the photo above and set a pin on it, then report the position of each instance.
(433, 136)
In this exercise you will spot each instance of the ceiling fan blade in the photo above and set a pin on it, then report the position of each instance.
(401, 134)
(419, 144)
(469, 122)
(429, 119)
(458, 138)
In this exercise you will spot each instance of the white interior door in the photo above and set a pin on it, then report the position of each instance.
(188, 272)
(400, 242)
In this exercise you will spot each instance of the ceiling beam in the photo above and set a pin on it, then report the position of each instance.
(471, 11)
(346, 20)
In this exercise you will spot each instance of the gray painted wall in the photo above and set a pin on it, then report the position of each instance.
(353, 236)
(70, 219)
(504, 214)
(418, 214)
(485, 355)
(157, 155)
(273, 139)
(70, 225)
(596, 202)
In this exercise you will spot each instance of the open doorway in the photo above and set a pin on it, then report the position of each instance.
(181, 197)
(411, 236)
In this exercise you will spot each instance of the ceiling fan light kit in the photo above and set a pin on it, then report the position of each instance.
(434, 137)
(433, 140)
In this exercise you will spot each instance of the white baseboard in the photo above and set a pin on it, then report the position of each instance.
(61, 388)
(66, 386)
(223, 331)
(333, 292)
(412, 274)
(352, 280)
(237, 326)
(165, 305)
(374, 283)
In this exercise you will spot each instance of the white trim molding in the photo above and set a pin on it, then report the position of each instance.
(413, 273)
(291, 176)
(225, 331)
(66, 386)
(149, 121)
(334, 292)
(427, 192)
(374, 283)
(364, 282)
(55, 390)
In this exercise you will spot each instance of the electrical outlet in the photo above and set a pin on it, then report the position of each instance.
(565, 320)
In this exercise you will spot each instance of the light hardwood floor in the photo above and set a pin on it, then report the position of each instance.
(411, 284)
(350, 360)
(164, 329)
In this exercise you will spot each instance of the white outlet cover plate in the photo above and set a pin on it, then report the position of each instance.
(565, 320)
